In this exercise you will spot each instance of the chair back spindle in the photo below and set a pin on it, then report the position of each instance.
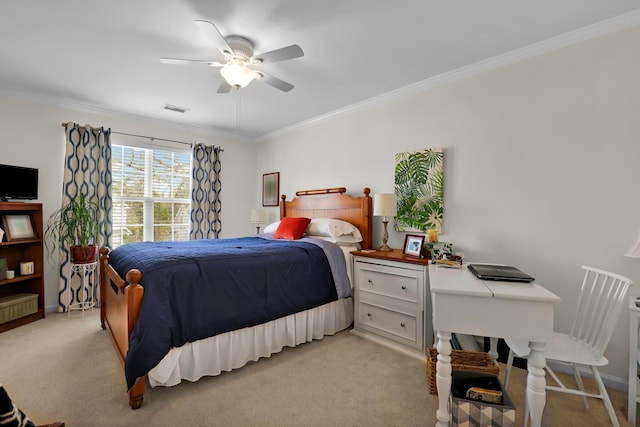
(601, 299)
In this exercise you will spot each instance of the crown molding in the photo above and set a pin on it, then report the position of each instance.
(567, 39)
(92, 109)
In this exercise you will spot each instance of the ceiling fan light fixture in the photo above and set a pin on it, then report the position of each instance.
(237, 74)
(238, 58)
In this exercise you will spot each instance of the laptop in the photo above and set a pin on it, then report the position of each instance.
(499, 272)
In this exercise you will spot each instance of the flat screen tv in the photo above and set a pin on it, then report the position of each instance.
(18, 183)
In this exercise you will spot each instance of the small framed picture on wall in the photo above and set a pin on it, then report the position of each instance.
(270, 189)
(413, 245)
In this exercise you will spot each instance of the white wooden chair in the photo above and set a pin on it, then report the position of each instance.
(602, 297)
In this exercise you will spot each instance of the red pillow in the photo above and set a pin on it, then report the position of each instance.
(291, 228)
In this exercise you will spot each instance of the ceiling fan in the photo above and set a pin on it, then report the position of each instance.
(236, 68)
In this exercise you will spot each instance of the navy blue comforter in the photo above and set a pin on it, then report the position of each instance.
(200, 288)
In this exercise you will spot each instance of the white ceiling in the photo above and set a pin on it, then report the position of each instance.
(103, 55)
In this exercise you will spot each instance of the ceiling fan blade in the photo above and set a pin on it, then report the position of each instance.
(275, 82)
(174, 61)
(214, 36)
(224, 87)
(282, 54)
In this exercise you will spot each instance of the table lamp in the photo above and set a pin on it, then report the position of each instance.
(257, 217)
(384, 205)
(634, 251)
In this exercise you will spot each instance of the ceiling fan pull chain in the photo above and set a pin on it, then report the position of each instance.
(238, 109)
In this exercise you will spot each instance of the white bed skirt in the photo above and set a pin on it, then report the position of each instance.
(232, 350)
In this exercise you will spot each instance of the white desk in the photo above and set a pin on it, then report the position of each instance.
(462, 303)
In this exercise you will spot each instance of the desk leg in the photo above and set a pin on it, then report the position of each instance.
(536, 383)
(632, 395)
(493, 348)
(443, 378)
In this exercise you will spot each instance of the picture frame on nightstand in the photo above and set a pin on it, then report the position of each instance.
(413, 244)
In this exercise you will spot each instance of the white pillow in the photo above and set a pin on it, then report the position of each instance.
(330, 227)
(348, 240)
(271, 228)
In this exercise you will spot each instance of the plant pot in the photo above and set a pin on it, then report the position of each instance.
(86, 255)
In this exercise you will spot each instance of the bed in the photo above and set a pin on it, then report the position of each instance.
(194, 354)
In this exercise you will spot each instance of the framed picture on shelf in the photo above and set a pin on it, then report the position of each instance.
(270, 189)
(413, 244)
(18, 227)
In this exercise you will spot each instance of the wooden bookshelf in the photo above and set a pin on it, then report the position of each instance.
(16, 251)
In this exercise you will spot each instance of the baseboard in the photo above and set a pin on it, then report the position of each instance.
(51, 309)
(398, 347)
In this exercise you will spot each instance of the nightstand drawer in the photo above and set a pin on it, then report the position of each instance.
(388, 281)
(391, 322)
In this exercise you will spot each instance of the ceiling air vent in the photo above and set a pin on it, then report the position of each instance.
(175, 108)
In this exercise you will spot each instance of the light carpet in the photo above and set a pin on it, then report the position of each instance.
(65, 369)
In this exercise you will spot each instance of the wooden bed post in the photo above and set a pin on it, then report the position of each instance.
(133, 293)
(367, 212)
(283, 208)
(104, 259)
(120, 303)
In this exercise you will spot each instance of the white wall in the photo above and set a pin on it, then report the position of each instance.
(31, 135)
(541, 163)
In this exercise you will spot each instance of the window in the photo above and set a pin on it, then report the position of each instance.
(150, 193)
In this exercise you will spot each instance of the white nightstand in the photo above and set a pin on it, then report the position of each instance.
(393, 301)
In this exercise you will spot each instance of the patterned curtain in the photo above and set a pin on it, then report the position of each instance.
(205, 193)
(87, 171)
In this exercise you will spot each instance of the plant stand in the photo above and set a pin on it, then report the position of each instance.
(86, 296)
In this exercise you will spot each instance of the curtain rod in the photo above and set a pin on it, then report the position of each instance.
(152, 138)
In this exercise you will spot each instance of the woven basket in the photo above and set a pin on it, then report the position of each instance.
(460, 361)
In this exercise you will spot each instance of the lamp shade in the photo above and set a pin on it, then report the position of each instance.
(237, 74)
(634, 251)
(385, 204)
(257, 216)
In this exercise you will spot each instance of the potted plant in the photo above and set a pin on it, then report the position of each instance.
(75, 225)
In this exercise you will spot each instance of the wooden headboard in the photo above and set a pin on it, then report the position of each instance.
(333, 203)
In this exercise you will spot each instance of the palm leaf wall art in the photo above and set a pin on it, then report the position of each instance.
(419, 187)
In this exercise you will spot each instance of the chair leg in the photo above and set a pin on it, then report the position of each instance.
(507, 374)
(576, 374)
(605, 397)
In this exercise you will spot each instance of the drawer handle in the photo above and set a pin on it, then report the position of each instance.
(402, 324)
(370, 282)
(404, 288)
(368, 314)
